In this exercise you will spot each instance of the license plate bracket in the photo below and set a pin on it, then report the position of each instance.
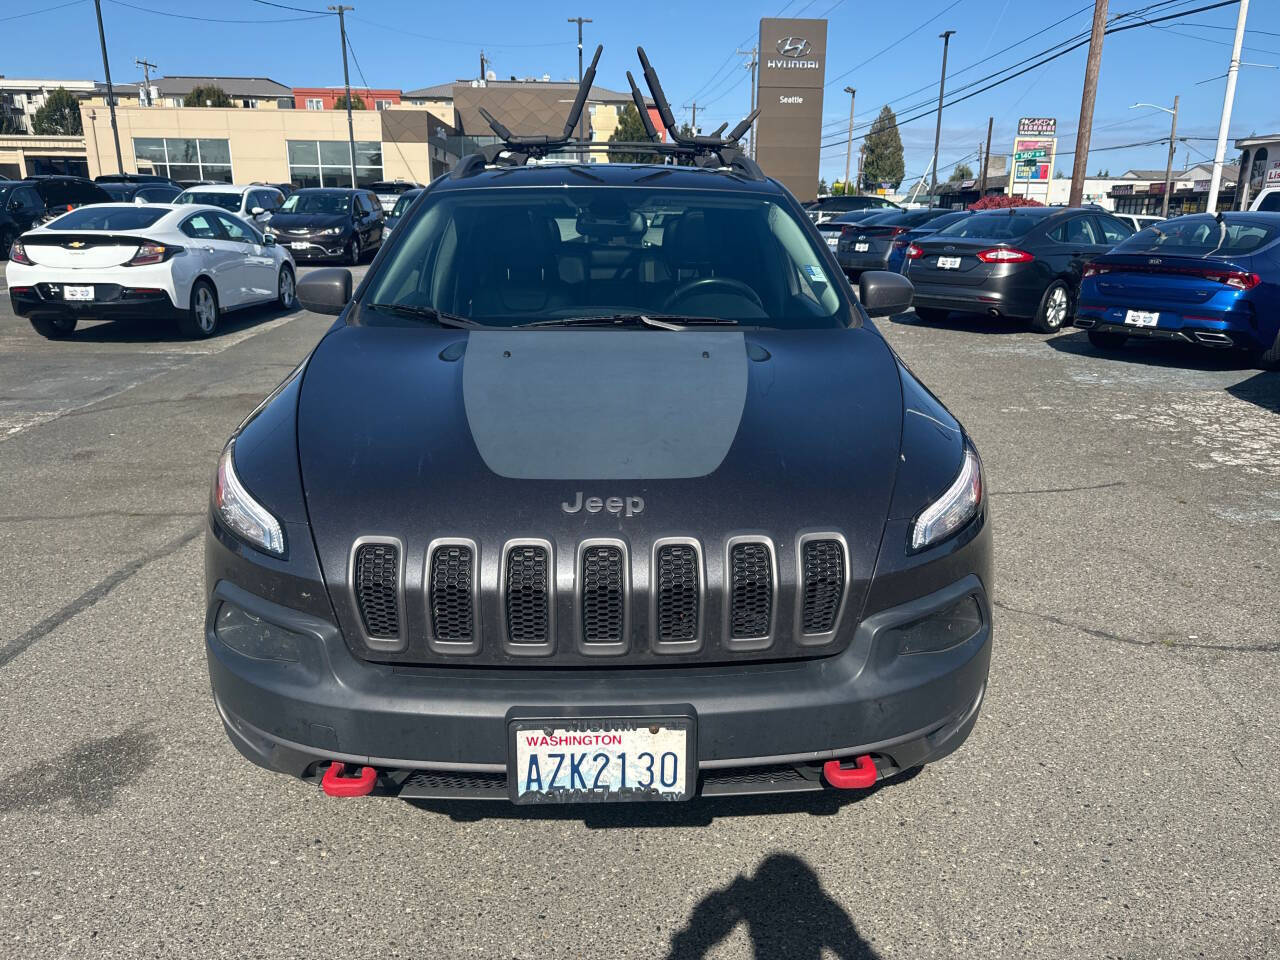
(298, 245)
(948, 263)
(78, 293)
(606, 757)
(1141, 318)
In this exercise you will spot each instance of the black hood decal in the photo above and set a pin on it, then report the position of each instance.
(604, 404)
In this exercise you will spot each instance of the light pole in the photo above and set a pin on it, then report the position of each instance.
(111, 92)
(340, 10)
(937, 132)
(582, 120)
(848, 150)
(1168, 168)
(1228, 99)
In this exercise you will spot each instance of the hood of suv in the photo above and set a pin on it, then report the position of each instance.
(308, 221)
(563, 435)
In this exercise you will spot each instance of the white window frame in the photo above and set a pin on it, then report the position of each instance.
(315, 103)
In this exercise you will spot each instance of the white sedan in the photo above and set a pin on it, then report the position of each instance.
(106, 261)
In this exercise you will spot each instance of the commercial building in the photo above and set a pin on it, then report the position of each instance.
(1260, 156)
(247, 93)
(1141, 191)
(326, 98)
(21, 99)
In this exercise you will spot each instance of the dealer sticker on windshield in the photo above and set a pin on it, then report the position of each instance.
(601, 760)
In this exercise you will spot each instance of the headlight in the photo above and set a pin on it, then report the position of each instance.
(331, 232)
(953, 509)
(267, 228)
(247, 518)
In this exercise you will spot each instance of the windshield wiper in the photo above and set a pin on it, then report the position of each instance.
(427, 313)
(656, 321)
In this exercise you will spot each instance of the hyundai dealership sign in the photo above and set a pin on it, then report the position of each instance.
(788, 134)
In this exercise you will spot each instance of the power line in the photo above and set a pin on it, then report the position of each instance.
(187, 16)
(902, 39)
(33, 13)
(396, 143)
(285, 6)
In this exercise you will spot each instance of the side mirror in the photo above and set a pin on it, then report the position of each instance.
(325, 291)
(258, 211)
(268, 240)
(883, 293)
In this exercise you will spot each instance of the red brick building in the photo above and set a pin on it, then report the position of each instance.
(325, 98)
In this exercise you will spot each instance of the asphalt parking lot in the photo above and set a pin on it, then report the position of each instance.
(1118, 797)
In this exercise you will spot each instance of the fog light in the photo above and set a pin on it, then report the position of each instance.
(940, 630)
(254, 637)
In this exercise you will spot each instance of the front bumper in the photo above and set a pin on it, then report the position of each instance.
(314, 248)
(444, 731)
(111, 301)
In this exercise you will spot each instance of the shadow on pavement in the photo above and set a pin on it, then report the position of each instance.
(965, 322)
(1155, 353)
(149, 330)
(1262, 389)
(698, 812)
(786, 912)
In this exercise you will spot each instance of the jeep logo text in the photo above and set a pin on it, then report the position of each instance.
(618, 506)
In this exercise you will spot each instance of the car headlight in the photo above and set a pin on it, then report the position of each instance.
(331, 231)
(246, 518)
(267, 228)
(956, 507)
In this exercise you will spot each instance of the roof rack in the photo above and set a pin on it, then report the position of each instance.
(713, 151)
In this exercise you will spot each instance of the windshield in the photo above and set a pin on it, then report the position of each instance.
(946, 220)
(514, 256)
(404, 203)
(317, 203)
(1200, 236)
(996, 225)
(213, 198)
(103, 217)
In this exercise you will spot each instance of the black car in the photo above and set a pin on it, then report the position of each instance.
(389, 192)
(832, 230)
(1023, 263)
(29, 203)
(328, 223)
(566, 506)
(869, 246)
(824, 208)
(147, 191)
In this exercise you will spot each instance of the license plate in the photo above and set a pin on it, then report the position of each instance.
(298, 245)
(77, 293)
(601, 760)
(833, 242)
(861, 247)
(1141, 318)
(948, 263)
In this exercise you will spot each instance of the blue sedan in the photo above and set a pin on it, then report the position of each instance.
(1208, 280)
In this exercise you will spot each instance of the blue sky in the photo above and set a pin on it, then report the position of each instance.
(890, 49)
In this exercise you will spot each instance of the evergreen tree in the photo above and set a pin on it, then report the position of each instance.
(630, 129)
(207, 96)
(59, 116)
(883, 162)
(356, 102)
(824, 189)
(962, 171)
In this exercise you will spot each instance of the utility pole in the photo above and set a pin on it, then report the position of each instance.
(1084, 129)
(582, 119)
(1215, 181)
(483, 65)
(346, 82)
(986, 161)
(754, 54)
(147, 66)
(693, 122)
(848, 150)
(942, 86)
(862, 152)
(111, 92)
(1168, 167)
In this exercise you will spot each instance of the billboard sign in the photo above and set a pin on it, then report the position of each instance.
(788, 132)
(1037, 127)
(1033, 158)
(1273, 174)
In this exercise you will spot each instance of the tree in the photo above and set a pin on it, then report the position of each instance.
(823, 189)
(630, 129)
(59, 116)
(207, 96)
(356, 102)
(962, 171)
(883, 161)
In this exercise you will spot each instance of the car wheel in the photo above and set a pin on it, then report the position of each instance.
(932, 314)
(1268, 358)
(1107, 339)
(201, 319)
(54, 328)
(1054, 310)
(353, 251)
(286, 289)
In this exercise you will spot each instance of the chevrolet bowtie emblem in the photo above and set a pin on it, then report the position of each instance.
(76, 244)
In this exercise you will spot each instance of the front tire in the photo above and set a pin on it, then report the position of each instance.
(932, 314)
(1107, 339)
(1054, 310)
(54, 328)
(286, 289)
(353, 251)
(201, 319)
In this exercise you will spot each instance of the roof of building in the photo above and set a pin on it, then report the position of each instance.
(1254, 140)
(234, 86)
(20, 83)
(1229, 170)
(445, 91)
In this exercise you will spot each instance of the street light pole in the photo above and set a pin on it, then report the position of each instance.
(111, 92)
(346, 82)
(582, 120)
(1215, 181)
(1173, 139)
(848, 150)
(937, 132)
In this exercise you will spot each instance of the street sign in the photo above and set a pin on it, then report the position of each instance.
(1031, 154)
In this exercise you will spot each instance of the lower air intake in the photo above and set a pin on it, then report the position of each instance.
(377, 583)
(677, 593)
(449, 594)
(527, 601)
(823, 585)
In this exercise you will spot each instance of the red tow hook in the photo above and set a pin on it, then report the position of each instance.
(334, 784)
(863, 774)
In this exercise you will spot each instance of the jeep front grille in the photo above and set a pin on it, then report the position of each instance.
(604, 594)
(750, 591)
(527, 600)
(377, 587)
(822, 586)
(449, 594)
(677, 593)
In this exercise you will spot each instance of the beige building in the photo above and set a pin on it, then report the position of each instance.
(24, 156)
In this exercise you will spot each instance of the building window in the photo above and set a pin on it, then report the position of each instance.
(315, 103)
(327, 163)
(382, 104)
(182, 158)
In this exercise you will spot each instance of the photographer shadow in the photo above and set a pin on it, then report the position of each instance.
(787, 914)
